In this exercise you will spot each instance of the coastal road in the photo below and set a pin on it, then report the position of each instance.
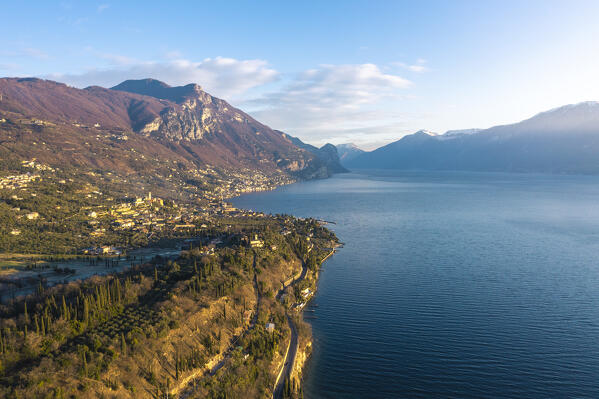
(289, 361)
(292, 349)
(296, 279)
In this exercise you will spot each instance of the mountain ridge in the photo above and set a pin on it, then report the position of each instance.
(561, 140)
(347, 152)
(327, 153)
(180, 123)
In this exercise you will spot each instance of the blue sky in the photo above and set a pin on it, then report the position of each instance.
(367, 72)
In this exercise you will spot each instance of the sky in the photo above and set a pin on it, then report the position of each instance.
(367, 72)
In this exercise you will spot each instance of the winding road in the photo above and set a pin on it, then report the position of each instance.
(289, 361)
(293, 342)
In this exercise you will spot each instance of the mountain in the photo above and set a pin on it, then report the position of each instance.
(347, 152)
(327, 153)
(137, 122)
(562, 140)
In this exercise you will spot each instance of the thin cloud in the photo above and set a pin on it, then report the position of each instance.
(223, 77)
(419, 66)
(326, 102)
(103, 7)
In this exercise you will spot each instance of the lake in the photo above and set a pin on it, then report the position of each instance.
(452, 285)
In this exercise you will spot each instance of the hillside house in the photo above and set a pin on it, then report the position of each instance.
(33, 215)
(256, 242)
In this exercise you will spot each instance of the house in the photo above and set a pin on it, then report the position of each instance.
(108, 250)
(270, 327)
(33, 215)
(256, 243)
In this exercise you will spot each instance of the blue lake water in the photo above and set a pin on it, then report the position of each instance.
(453, 285)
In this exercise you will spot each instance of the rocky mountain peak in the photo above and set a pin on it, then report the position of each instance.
(160, 90)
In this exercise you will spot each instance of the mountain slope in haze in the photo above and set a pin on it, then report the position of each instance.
(327, 153)
(562, 140)
(347, 152)
(140, 119)
(460, 132)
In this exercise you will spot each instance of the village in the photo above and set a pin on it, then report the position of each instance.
(103, 215)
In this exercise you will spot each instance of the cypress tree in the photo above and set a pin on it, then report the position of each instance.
(85, 314)
(118, 290)
(123, 345)
(65, 311)
(84, 363)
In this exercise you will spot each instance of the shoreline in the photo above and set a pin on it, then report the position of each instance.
(301, 353)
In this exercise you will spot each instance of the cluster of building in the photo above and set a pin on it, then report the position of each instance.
(14, 182)
(102, 250)
(254, 241)
(33, 164)
(306, 294)
(150, 215)
(142, 215)
(231, 183)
